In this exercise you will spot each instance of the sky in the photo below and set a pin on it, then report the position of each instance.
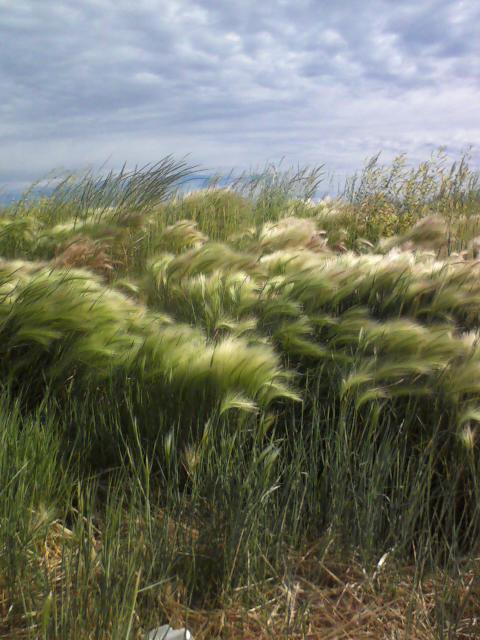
(234, 83)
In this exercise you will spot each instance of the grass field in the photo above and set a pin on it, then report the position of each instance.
(242, 410)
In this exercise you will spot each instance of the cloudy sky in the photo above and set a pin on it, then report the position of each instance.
(234, 83)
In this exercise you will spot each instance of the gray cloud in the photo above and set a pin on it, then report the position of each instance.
(234, 84)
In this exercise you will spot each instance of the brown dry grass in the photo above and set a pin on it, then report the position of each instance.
(86, 253)
(324, 599)
(346, 604)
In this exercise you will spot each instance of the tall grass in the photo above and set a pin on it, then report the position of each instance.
(241, 410)
(172, 532)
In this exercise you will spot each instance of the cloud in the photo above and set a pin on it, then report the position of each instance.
(234, 84)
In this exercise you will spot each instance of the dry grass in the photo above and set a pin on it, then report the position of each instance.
(348, 605)
(85, 253)
(322, 597)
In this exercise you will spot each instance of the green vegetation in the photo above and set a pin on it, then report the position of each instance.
(241, 410)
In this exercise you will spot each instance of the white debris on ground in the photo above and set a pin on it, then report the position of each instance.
(165, 632)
